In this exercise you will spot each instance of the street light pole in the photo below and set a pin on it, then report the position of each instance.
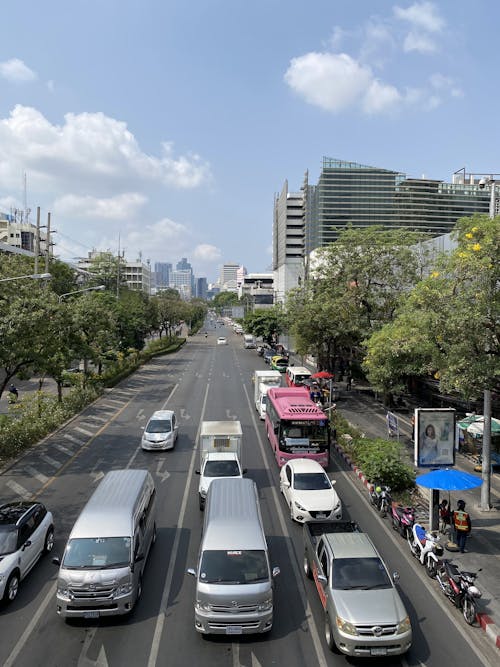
(34, 276)
(79, 291)
(486, 453)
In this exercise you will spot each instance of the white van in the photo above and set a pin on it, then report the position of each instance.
(248, 342)
(234, 583)
(102, 566)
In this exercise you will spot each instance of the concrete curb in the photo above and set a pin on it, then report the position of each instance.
(486, 623)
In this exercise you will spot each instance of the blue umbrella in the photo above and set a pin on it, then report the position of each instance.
(449, 479)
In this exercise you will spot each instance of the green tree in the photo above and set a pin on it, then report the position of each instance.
(106, 270)
(266, 323)
(224, 300)
(449, 325)
(354, 290)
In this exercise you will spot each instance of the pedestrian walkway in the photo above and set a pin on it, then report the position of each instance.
(360, 407)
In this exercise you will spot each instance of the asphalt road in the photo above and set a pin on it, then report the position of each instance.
(201, 381)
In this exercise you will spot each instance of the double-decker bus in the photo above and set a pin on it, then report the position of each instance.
(296, 427)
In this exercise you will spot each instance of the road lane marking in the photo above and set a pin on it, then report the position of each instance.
(83, 430)
(63, 449)
(97, 418)
(48, 459)
(74, 440)
(160, 621)
(30, 627)
(37, 475)
(309, 619)
(18, 489)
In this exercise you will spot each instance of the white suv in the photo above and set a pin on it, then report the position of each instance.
(26, 532)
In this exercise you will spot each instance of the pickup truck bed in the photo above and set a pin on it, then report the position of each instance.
(318, 528)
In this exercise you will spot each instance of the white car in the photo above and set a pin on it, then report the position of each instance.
(161, 431)
(221, 340)
(309, 492)
(26, 532)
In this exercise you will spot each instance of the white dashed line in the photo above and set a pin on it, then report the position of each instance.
(18, 489)
(48, 459)
(84, 431)
(37, 475)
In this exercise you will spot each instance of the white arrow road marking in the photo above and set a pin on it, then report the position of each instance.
(141, 415)
(184, 414)
(162, 475)
(255, 662)
(230, 416)
(84, 660)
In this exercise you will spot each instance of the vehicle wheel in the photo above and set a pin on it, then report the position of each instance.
(329, 635)
(469, 611)
(12, 587)
(431, 568)
(202, 503)
(307, 569)
(48, 545)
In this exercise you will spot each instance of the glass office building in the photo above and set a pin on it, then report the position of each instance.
(356, 194)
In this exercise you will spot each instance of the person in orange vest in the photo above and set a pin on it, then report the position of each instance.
(461, 521)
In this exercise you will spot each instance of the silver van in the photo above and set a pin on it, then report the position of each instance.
(102, 566)
(234, 584)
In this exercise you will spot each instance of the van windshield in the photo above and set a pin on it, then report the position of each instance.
(221, 469)
(233, 567)
(97, 553)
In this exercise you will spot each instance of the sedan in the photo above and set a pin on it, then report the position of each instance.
(221, 340)
(309, 492)
(26, 532)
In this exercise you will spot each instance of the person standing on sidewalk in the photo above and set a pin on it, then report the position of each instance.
(462, 523)
(348, 380)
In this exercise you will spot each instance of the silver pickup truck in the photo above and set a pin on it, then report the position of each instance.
(364, 614)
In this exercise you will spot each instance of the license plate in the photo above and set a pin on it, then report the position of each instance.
(234, 630)
(321, 515)
(91, 614)
(378, 651)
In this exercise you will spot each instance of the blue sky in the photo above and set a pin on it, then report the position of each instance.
(172, 124)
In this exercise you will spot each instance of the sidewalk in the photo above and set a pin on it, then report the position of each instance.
(482, 552)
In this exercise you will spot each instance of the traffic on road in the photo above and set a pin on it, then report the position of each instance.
(135, 540)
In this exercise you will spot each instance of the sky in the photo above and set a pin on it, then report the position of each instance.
(166, 127)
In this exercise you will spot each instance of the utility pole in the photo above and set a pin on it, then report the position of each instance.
(47, 244)
(37, 238)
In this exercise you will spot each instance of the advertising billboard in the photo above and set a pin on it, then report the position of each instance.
(434, 437)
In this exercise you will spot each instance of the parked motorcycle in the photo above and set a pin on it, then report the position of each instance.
(380, 497)
(425, 547)
(403, 519)
(459, 587)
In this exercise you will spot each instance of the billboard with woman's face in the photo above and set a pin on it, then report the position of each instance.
(434, 437)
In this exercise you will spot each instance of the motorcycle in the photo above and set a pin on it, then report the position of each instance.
(403, 519)
(459, 587)
(425, 547)
(380, 498)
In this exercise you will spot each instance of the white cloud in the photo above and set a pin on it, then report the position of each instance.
(446, 84)
(381, 97)
(121, 207)
(204, 252)
(423, 15)
(6, 203)
(419, 42)
(51, 85)
(89, 150)
(16, 71)
(337, 37)
(331, 81)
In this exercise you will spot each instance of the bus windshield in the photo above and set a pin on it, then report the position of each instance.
(306, 436)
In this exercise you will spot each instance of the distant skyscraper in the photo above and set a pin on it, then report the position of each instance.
(201, 288)
(163, 271)
(184, 265)
(228, 273)
(240, 275)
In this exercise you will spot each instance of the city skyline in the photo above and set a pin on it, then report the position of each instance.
(178, 149)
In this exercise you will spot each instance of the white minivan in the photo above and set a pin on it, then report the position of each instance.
(101, 570)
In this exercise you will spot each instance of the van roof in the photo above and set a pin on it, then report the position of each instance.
(299, 370)
(221, 428)
(109, 511)
(232, 516)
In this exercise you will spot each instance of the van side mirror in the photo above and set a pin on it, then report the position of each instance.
(139, 557)
(244, 471)
(276, 571)
(26, 544)
(56, 560)
(395, 577)
(191, 571)
(322, 579)
(196, 472)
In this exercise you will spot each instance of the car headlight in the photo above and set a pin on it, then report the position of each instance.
(63, 592)
(266, 605)
(203, 606)
(404, 626)
(337, 506)
(299, 507)
(346, 627)
(123, 589)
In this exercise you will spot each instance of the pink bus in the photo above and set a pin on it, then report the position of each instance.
(296, 427)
